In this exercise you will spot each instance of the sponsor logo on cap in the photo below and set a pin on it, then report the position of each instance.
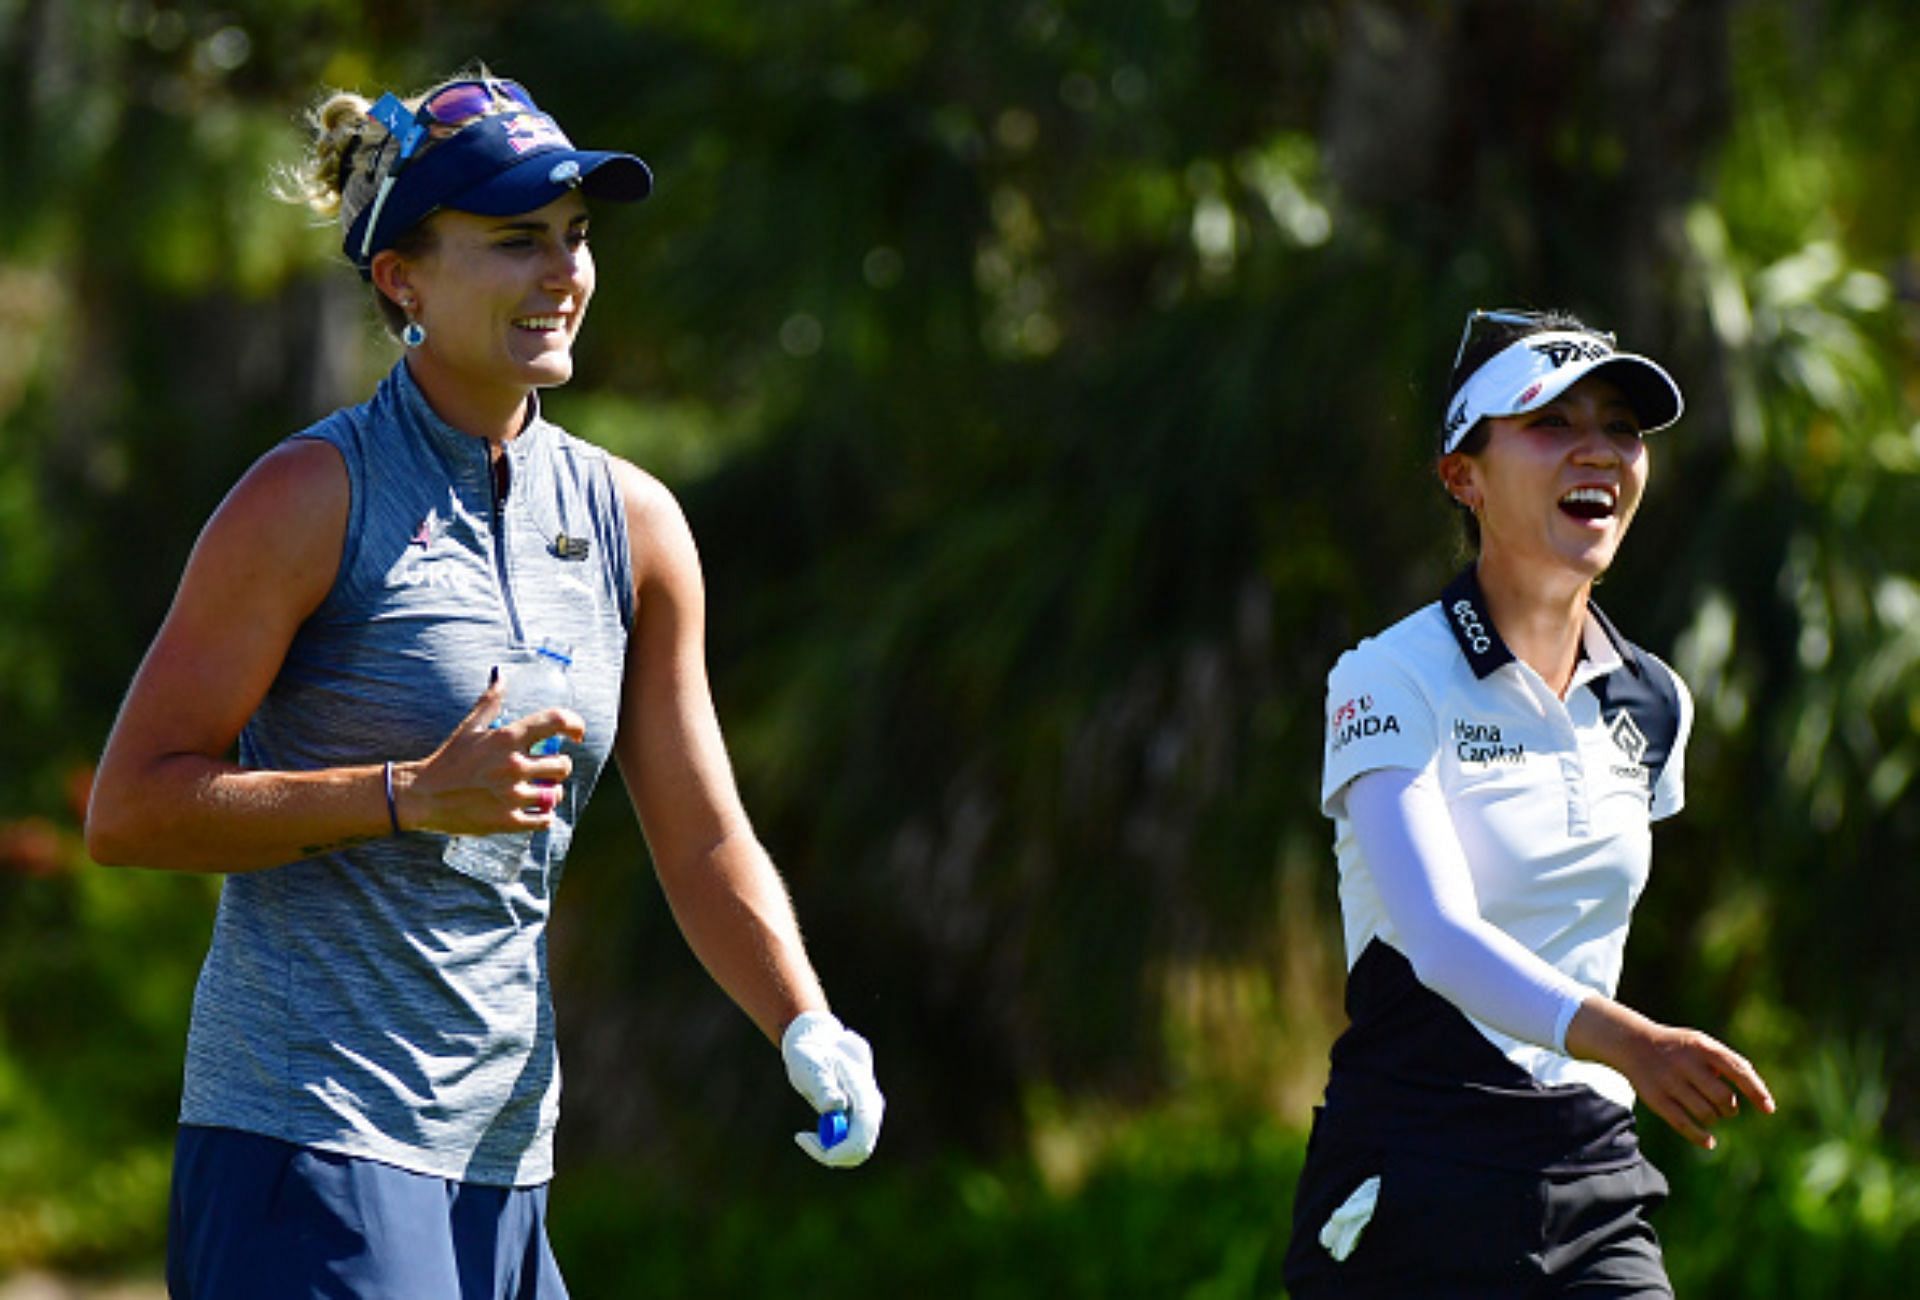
(533, 131)
(565, 173)
(1562, 351)
(1533, 391)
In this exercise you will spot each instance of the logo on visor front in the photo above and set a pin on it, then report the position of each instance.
(1562, 351)
(533, 131)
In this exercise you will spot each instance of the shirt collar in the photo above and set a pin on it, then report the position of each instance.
(458, 448)
(1621, 646)
(1465, 607)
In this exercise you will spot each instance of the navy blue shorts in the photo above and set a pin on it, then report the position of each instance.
(254, 1218)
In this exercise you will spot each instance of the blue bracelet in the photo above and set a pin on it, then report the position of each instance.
(393, 813)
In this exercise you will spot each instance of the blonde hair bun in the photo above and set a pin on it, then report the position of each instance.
(335, 179)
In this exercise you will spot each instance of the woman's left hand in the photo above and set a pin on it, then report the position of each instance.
(1689, 1079)
(832, 1067)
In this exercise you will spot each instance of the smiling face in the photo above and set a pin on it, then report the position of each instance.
(501, 299)
(1557, 487)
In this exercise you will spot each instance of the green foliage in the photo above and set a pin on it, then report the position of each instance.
(1195, 1202)
(96, 971)
(1051, 386)
(1174, 1208)
(1812, 1201)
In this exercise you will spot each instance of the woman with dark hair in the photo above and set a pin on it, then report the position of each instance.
(1493, 766)
(371, 1085)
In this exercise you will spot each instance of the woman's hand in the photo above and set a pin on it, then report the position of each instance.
(483, 779)
(1689, 1079)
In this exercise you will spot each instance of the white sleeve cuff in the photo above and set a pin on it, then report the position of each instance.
(1568, 1010)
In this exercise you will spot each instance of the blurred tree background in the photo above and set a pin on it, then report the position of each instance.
(1052, 387)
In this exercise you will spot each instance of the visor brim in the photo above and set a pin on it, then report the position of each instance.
(1648, 388)
(1537, 368)
(544, 177)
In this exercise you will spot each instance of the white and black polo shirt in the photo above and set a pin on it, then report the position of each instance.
(1553, 801)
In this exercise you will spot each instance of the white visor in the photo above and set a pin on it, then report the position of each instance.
(1532, 371)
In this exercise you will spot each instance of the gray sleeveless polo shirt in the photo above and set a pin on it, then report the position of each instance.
(372, 1001)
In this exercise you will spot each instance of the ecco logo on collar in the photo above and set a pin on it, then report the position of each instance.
(1471, 627)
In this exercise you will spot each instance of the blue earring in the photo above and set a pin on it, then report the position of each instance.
(414, 334)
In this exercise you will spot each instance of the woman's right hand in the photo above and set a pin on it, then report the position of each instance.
(1689, 1079)
(483, 780)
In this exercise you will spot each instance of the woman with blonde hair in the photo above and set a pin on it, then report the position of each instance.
(371, 1086)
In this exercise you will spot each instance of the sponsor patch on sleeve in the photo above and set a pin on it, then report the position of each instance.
(1376, 717)
(1358, 719)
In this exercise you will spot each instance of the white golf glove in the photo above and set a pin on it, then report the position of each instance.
(832, 1067)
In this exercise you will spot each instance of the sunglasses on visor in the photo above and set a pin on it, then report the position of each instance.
(1507, 316)
(454, 105)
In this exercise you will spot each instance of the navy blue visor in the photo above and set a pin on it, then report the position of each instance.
(498, 165)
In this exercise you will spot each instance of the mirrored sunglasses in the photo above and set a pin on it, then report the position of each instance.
(460, 102)
(452, 106)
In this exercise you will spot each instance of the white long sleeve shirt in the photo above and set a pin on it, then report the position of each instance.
(1494, 834)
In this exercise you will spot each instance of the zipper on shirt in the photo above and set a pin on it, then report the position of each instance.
(497, 494)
